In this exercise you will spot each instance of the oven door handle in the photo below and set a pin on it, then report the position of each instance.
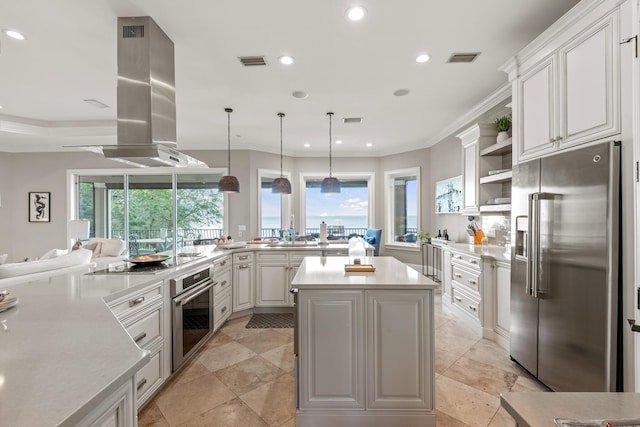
(185, 299)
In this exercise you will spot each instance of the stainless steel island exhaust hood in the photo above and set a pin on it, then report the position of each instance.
(146, 98)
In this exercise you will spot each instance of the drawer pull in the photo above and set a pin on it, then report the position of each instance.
(458, 256)
(473, 308)
(136, 301)
(223, 309)
(458, 299)
(141, 384)
(244, 257)
(473, 261)
(223, 263)
(140, 337)
(473, 282)
(458, 275)
(222, 285)
(243, 266)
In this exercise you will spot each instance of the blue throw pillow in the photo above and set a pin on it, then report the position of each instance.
(370, 239)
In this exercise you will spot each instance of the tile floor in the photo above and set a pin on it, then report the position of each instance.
(243, 378)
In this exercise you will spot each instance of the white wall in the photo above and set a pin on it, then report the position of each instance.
(5, 203)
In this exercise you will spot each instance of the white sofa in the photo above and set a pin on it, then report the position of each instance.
(49, 265)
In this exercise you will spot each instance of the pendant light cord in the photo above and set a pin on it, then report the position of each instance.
(229, 111)
(330, 114)
(281, 115)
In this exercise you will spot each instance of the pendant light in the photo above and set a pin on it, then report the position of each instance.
(330, 184)
(229, 183)
(281, 185)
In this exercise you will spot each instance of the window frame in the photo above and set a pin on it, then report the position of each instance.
(389, 196)
(370, 177)
(73, 187)
(285, 199)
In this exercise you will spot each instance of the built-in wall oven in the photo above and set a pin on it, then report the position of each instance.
(192, 313)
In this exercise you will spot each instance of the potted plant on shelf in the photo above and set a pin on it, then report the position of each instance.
(424, 237)
(503, 124)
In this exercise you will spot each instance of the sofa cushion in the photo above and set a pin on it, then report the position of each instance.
(54, 253)
(80, 256)
(112, 247)
(370, 239)
(94, 245)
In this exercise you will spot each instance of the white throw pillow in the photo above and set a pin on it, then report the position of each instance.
(94, 245)
(3, 258)
(53, 253)
(112, 247)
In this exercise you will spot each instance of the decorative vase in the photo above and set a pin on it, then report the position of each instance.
(502, 136)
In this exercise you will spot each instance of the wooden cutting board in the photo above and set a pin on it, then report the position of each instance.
(359, 268)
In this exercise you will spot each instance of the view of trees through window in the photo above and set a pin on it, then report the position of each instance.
(150, 208)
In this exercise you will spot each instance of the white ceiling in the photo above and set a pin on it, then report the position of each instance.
(350, 68)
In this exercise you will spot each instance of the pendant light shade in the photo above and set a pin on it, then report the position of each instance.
(229, 183)
(330, 184)
(281, 185)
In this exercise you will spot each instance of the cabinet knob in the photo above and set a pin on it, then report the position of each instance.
(473, 282)
(458, 275)
(140, 337)
(458, 299)
(224, 282)
(473, 308)
(223, 309)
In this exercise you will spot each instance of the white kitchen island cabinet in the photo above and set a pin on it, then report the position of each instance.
(364, 343)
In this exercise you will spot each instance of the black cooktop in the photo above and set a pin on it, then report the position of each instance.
(154, 268)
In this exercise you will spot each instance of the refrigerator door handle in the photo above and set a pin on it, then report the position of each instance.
(532, 245)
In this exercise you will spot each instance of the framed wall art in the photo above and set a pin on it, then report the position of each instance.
(39, 206)
(449, 195)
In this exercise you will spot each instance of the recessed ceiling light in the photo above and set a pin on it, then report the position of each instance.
(286, 60)
(356, 13)
(307, 145)
(338, 142)
(401, 92)
(422, 58)
(300, 94)
(14, 34)
(369, 144)
(0, 107)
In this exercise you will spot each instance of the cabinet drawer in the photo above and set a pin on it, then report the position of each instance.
(129, 304)
(222, 308)
(278, 256)
(145, 327)
(468, 278)
(224, 282)
(469, 261)
(297, 256)
(466, 303)
(242, 257)
(148, 376)
(221, 264)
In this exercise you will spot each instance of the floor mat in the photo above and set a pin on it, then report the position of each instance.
(270, 320)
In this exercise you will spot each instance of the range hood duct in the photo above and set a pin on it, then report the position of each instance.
(146, 97)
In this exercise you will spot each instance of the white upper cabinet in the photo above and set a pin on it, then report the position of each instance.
(566, 83)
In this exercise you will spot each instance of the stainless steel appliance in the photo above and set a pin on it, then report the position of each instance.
(564, 268)
(192, 313)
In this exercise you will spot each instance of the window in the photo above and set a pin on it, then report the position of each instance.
(402, 190)
(349, 212)
(159, 211)
(274, 208)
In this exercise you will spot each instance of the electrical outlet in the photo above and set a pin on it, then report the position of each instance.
(239, 233)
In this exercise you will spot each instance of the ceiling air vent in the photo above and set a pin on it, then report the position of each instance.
(352, 120)
(252, 61)
(132, 31)
(463, 57)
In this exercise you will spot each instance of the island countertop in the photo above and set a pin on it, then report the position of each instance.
(329, 272)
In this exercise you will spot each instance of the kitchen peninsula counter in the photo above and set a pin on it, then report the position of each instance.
(364, 343)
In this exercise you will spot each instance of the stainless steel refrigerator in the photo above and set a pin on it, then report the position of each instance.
(564, 268)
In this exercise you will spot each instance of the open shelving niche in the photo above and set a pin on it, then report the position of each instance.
(496, 157)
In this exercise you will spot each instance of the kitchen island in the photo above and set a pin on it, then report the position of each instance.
(364, 344)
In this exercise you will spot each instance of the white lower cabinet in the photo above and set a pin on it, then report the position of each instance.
(117, 410)
(502, 311)
(467, 284)
(274, 272)
(222, 291)
(366, 357)
(243, 281)
(143, 313)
